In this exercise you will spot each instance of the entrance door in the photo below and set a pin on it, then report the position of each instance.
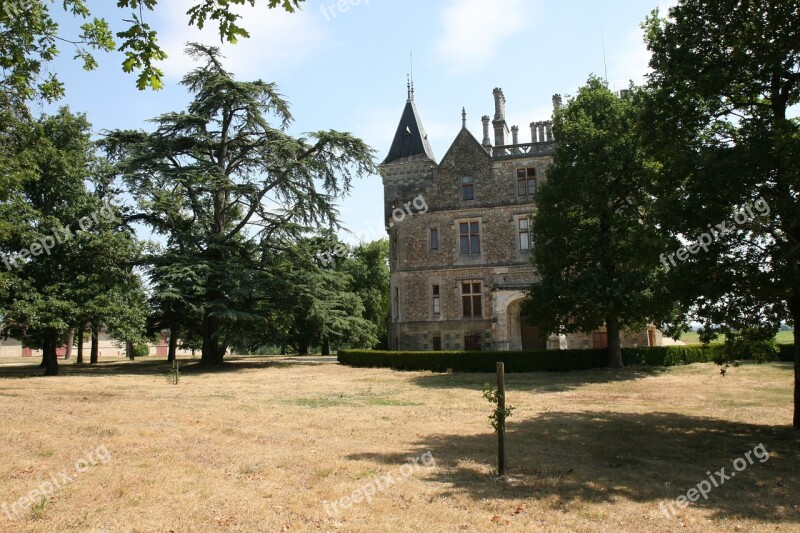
(532, 339)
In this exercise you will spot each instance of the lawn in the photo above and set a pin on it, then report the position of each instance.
(268, 445)
(692, 337)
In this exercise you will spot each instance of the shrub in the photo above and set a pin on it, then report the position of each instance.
(547, 361)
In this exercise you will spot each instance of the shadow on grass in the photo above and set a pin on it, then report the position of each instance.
(151, 367)
(538, 381)
(568, 458)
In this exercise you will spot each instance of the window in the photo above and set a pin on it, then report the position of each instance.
(434, 239)
(472, 343)
(524, 234)
(437, 344)
(526, 181)
(469, 237)
(396, 303)
(437, 301)
(394, 245)
(471, 300)
(467, 189)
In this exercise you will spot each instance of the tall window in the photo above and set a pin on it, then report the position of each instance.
(467, 188)
(469, 237)
(437, 301)
(471, 300)
(434, 239)
(524, 234)
(526, 181)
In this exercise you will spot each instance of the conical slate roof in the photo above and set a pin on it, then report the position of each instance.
(410, 139)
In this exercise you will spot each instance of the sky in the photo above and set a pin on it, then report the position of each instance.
(344, 65)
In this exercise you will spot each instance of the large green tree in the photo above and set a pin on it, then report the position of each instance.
(62, 246)
(30, 39)
(367, 268)
(595, 245)
(725, 77)
(221, 182)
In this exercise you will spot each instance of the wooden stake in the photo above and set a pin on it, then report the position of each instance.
(501, 426)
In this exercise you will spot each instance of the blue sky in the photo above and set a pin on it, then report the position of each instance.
(346, 69)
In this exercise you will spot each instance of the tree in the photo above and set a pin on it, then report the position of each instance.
(725, 75)
(61, 246)
(29, 40)
(317, 305)
(595, 245)
(223, 184)
(368, 269)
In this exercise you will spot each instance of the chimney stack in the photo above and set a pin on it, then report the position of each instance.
(514, 134)
(557, 102)
(499, 122)
(487, 142)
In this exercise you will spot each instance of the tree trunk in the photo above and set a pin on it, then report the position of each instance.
(614, 344)
(49, 353)
(213, 351)
(326, 348)
(302, 348)
(129, 350)
(95, 355)
(70, 341)
(173, 345)
(283, 349)
(794, 308)
(81, 331)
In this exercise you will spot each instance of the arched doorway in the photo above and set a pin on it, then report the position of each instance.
(521, 335)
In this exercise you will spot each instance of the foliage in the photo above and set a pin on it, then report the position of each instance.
(541, 361)
(499, 415)
(78, 260)
(725, 75)
(596, 244)
(230, 191)
(30, 38)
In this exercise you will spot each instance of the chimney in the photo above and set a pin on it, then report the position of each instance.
(487, 142)
(499, 122)
(499, 104)
(533, 133)
(514, 134)
(556, 102)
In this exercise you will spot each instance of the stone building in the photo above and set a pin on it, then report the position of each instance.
(460, 259)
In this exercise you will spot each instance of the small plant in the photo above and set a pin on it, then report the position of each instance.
(174, 373)
(37, 508)
(499, 415)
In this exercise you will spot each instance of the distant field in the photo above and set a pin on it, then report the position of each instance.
(783, 337)
(268, 445)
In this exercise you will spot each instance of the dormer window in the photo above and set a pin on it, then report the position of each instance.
(467, 188)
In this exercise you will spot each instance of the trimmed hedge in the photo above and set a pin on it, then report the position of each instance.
(540, 361)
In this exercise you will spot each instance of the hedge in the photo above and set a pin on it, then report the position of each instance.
(539, 361)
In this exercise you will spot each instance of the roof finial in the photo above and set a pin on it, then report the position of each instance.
(408, 85)
(463, 118)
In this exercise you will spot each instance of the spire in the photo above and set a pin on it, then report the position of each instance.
(410, 139)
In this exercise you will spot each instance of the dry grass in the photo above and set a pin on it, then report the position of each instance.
(261, 446)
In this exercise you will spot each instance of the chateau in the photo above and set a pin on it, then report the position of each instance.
(460, 267)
